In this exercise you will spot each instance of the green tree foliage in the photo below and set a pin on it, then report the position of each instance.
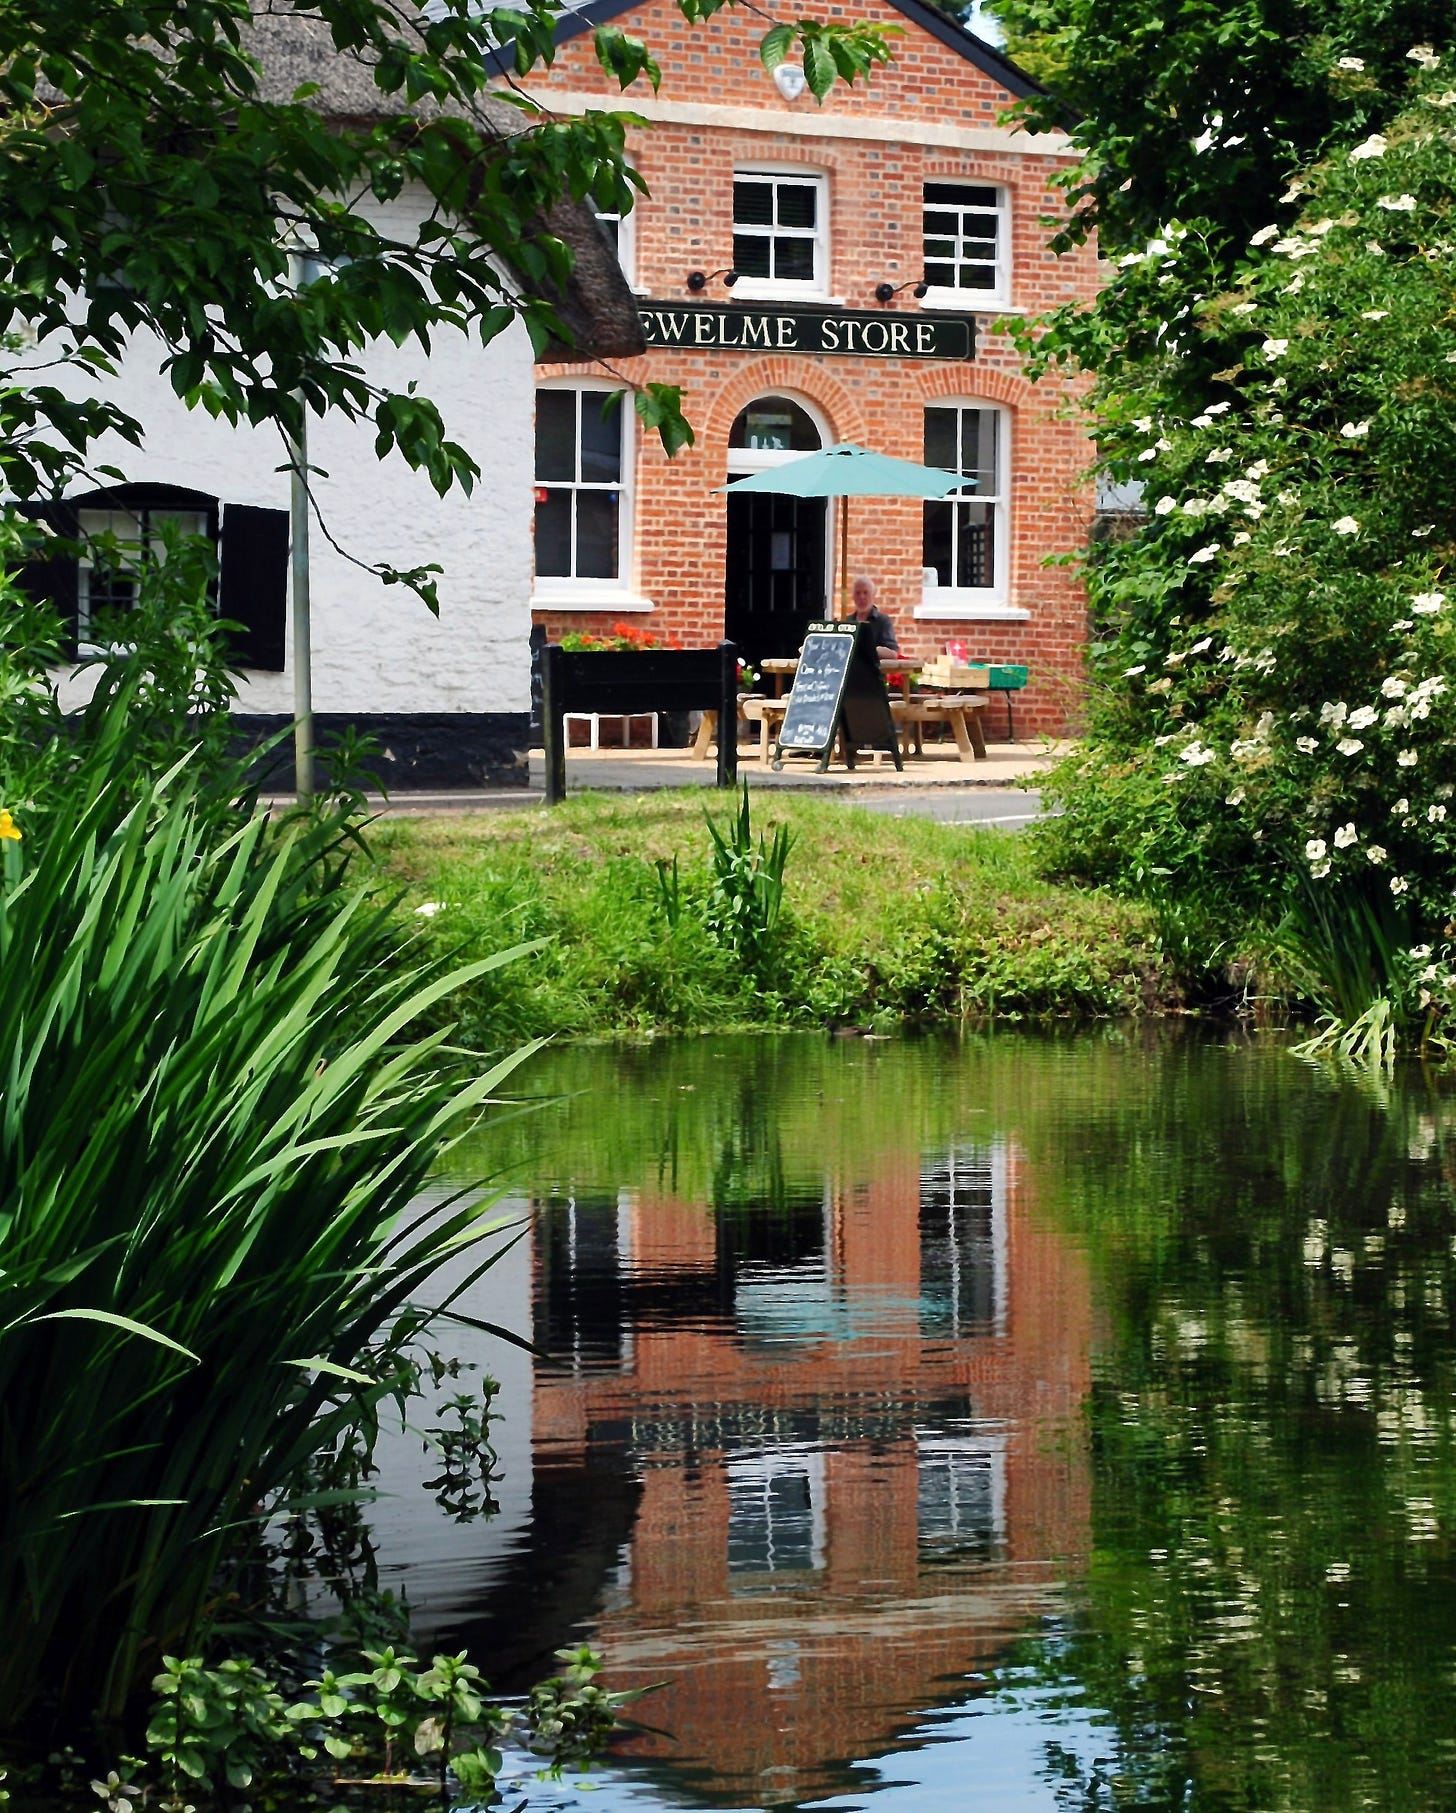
(1197, 116)
(1201, 111)
(152, 181)
(1273, 714)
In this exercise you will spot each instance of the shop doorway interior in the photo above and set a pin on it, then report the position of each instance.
(775, 572)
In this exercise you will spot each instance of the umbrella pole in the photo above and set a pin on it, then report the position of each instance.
(844, 556)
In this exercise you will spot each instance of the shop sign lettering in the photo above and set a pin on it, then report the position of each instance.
(862, 333)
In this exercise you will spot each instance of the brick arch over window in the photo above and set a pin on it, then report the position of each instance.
(583, 369)
(971, 167)
(766, 377)
(973, 380)
(749, 153)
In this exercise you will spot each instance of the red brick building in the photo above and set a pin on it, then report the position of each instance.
(818, 213)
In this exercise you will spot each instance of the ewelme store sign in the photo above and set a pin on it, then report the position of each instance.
(785, 330)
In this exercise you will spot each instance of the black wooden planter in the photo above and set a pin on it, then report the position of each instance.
(649, 679)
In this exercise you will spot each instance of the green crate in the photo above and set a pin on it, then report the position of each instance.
(1004, 679)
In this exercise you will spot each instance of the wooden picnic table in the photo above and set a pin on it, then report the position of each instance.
(779, 668)
(768, 714)
(960, 711)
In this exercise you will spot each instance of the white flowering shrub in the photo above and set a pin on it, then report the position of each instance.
(1274, 712)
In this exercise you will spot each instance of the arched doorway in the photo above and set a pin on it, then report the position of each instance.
(774, 579)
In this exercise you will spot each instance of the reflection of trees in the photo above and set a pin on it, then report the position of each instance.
(1275, 1487)
(727, 1120)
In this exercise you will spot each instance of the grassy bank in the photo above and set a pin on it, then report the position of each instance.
(885, 920)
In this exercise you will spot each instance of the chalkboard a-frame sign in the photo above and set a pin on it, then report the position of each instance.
(833, 692)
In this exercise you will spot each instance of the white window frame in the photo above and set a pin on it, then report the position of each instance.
(992, 300)
(751, 1475)
(626, 225)
(993, 602)
(562, 592)
(764, 289)
(129, 535)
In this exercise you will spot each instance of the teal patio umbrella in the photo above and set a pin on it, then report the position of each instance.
(850, 471)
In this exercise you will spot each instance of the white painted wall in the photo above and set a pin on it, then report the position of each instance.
(376, 648)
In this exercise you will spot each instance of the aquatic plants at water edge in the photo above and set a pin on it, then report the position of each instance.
(216, 1117)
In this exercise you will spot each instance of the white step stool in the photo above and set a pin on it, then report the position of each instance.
(593, 721)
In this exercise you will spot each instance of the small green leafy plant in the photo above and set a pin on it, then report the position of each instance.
(746, 901)
(390, 1722)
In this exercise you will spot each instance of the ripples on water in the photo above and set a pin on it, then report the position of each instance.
(1022, 1423)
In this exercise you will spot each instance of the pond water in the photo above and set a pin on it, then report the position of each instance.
(1013, 1423)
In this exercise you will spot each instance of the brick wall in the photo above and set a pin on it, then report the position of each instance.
(719, 109)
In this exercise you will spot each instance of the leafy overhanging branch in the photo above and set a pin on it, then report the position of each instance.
(157, 175)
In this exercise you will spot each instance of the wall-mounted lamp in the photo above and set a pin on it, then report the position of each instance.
(699, 280)
(790, 81)
(887, 292)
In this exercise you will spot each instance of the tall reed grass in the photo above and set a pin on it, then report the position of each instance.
(214, 1119)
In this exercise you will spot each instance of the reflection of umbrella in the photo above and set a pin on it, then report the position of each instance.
(850, 471)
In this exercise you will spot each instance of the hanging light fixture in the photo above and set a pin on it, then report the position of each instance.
(886, 292)
(699, 280)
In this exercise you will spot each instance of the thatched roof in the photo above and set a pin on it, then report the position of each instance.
(597, 308)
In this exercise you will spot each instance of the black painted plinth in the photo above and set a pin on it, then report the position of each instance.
(408, 749)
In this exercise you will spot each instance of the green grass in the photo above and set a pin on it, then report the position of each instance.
(885, 920)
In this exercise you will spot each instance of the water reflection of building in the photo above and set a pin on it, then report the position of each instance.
(822, 1451)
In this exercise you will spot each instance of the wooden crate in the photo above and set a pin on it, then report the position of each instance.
(944, 670)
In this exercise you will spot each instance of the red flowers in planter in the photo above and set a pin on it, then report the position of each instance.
(622, 636)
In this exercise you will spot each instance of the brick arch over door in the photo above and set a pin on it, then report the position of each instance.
(768, 377)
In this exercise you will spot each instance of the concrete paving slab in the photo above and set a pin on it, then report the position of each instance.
(642, 770)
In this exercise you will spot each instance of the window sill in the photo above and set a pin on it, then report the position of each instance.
(968, 607)
(967, 302)
(746, 290)
(550, 597)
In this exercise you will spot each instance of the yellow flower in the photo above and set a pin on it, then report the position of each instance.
(8, 828)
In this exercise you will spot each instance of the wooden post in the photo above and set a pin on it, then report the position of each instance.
(553, 728)
(728, 715)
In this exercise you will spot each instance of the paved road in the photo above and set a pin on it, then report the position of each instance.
(950, 805)
(956, 805)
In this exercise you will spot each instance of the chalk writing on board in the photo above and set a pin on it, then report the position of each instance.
(813, 708)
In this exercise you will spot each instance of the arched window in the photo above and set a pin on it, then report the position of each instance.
(773, 425)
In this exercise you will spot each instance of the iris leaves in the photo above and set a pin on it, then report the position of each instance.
(216, 1109)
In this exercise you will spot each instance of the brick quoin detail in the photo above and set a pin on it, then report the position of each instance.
(874, 187)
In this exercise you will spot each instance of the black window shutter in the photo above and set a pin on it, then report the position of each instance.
(253, 592)
(54, 577)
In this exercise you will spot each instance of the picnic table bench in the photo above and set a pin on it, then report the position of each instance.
(961, 711)
(768, 714)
